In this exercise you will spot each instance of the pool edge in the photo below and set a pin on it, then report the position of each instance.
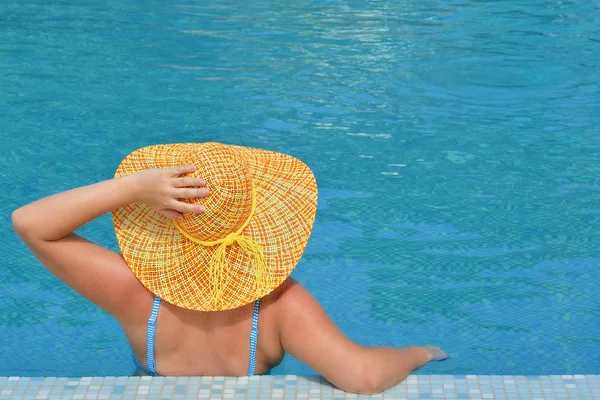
(299, 387)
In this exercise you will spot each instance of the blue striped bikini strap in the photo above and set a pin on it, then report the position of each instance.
(151, 333)
(254, 339)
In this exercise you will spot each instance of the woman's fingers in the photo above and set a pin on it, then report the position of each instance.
(191, 193)
(171, 214)
(185, 188)
(189, 182)
(186, 181)
(184, 169)
(187, 208)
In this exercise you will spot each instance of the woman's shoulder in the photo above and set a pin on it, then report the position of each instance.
(287, 295)
(290, 301)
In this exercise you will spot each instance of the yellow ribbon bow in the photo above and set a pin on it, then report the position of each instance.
(261, 270)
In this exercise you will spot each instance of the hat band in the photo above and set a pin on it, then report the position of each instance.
(217, 276)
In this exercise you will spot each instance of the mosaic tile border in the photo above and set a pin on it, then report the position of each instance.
(287, 387)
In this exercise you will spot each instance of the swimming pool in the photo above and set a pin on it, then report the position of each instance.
(455, 145)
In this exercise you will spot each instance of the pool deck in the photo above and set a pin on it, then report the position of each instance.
(286, 387)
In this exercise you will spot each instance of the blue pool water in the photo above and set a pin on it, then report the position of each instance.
(456, 145)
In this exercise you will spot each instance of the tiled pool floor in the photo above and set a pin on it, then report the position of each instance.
(299, 387)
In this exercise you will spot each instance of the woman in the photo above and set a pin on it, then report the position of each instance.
(209, 235)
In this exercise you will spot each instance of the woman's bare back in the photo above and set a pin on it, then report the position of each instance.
(189, 342)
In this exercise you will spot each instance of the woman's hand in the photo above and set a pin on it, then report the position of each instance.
(164, 190)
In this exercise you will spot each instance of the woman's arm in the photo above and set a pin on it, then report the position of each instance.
(308, 334)
(97, 273)
(54, 217)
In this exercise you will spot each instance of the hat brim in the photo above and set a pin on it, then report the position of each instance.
(178, 270)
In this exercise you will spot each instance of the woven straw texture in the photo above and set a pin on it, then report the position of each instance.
(178, 269)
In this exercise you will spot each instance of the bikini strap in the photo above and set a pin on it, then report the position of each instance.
(151, 333)
(254, 339)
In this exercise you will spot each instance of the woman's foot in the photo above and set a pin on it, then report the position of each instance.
(437, 354)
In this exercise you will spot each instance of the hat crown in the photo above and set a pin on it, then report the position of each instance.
(229, 203)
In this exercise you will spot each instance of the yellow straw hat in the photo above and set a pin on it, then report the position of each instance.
(259, 215)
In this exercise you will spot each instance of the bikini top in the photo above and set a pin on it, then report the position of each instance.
(152, 330)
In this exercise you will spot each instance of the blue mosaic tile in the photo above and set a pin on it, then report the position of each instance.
(305, 388)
